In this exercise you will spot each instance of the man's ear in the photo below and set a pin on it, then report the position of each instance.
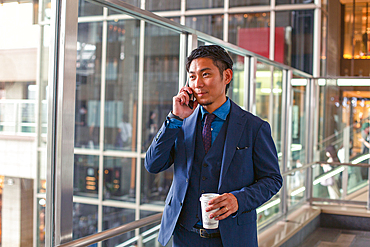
(228, 75)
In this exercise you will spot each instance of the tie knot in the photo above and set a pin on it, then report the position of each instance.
(209, 118)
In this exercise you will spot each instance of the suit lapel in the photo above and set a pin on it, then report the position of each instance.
(237, 122)
(189, 128)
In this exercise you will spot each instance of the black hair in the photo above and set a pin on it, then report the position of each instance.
(219, 56)
(333, 153)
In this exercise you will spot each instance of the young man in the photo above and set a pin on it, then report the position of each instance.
(215, 147)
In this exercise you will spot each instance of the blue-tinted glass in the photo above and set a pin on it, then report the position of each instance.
(86, 8)
(201, 4)
(209, 24)
(296, 28)
(242, 3)
(161, 5)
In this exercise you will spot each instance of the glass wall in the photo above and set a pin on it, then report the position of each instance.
(127, 72)
(356, 31)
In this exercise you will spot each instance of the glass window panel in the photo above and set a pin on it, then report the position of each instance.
(201, 4)
(236, 90)
(294, 39)
(150, 232)
(328, 188)
(85, 175)
(263, 91)
(88, 81)
(119, 178)
(357, 40)
(135, 3)
(269, 210)
(251, 31)
(161, 78)
(41, 222)
(161, 5)
(243, 3)
(85, 220)
(298, 148)
(296, 188)
(154, 187)
(114, 217)
(279, 2)
(42, 171)
(121, 93)
(275, 121)
(209, 24)
(86, 8)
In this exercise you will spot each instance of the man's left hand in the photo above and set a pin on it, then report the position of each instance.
(227, 204)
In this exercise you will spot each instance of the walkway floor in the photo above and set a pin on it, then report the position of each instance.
(325, 237)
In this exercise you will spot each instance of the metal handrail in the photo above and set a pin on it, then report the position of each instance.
(291, 171)
(104, 235)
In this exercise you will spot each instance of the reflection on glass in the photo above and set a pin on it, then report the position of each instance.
(114, 217)
(119, 179)
(251, 31)
(201, 4)
(88, 80)
(327, 182)
(161, 78)
(42, 171)
(154, 187)
(86, 175)
(263, 91)
(85, 220)
(243, 3)
(294, 39)
(86, 8)
(41, 222)
(161, 5)
(296, 186)
(209, 24)
(121, 85)
(269, 209)
(356, 42)
(298, 149)
(236, 90)
(275, 115)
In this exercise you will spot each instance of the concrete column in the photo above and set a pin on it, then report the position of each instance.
(17, 212)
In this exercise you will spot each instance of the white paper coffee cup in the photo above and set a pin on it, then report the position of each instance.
(207, 222)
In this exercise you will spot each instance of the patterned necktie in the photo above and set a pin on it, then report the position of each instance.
(207, 133)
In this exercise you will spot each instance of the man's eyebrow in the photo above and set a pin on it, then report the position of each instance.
(192, 72)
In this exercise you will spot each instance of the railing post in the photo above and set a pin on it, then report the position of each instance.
(285, 134)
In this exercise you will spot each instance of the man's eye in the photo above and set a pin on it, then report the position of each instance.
(205, 74)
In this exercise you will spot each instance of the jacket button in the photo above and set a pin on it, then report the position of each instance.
(202, 191)
(205, 165)
(181, 204)
(203, 178)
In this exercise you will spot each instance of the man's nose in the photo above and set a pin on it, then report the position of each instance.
(198, 82)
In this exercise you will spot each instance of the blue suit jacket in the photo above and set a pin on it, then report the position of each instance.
(249, 170)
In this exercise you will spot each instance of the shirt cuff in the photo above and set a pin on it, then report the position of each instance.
(173, 123)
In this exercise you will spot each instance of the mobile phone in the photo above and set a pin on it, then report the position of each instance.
(191, 96)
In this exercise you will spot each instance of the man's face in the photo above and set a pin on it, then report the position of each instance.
(207, 83)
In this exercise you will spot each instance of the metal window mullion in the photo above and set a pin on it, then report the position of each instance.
(226, 21)
(182, 59)
(61, 112)
(271, 98)
(272, 35)
(308, 138)
(285, 135)
(192, 43)
(246, 83)
(251, 73)
(316, 42)
(102, 120)
(140, 121)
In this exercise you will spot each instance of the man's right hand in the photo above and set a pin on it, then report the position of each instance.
(181, 101)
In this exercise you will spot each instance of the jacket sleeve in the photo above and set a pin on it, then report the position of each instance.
(160, 154)
(267, 177)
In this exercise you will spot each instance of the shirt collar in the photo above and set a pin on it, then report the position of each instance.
(220, 112)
